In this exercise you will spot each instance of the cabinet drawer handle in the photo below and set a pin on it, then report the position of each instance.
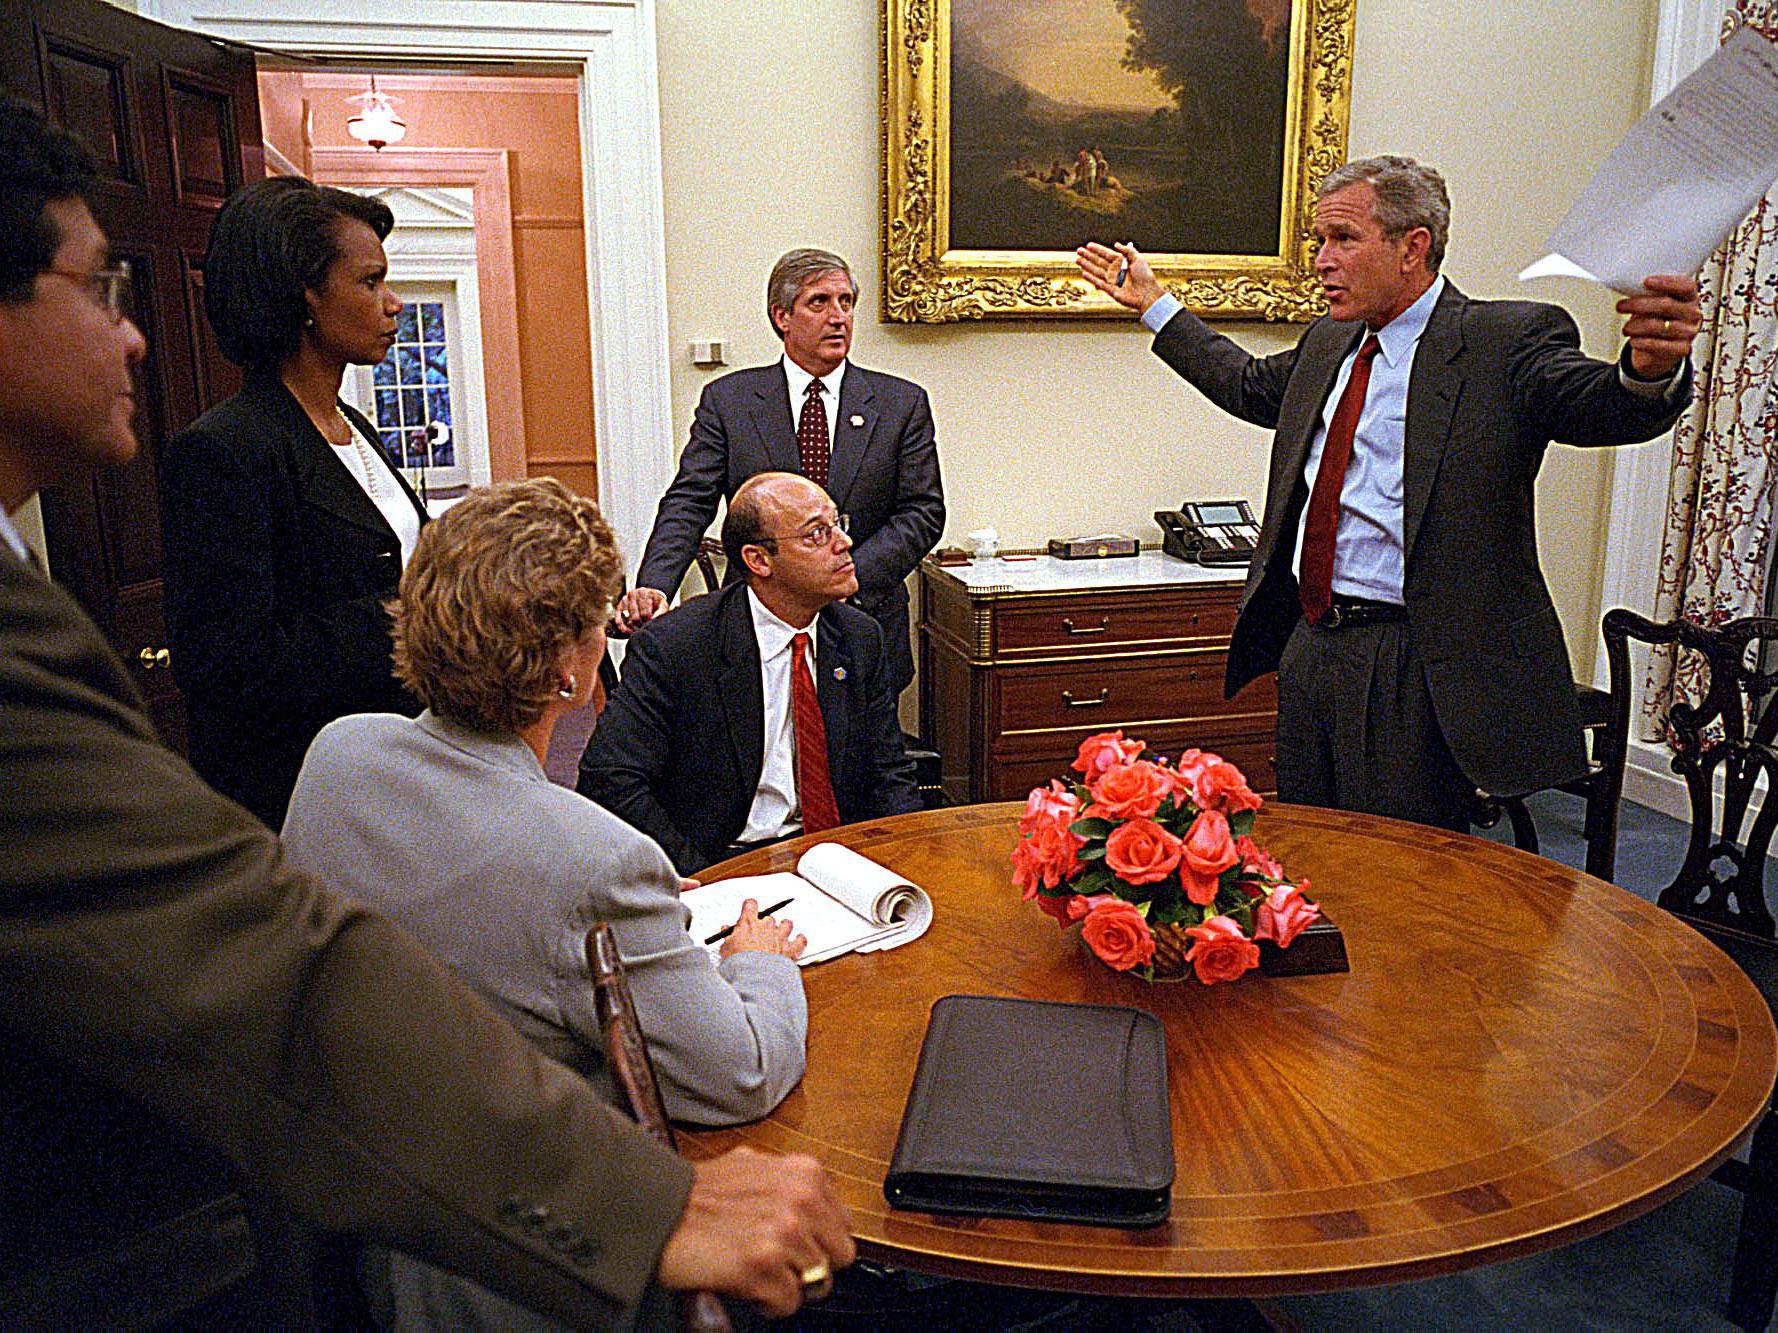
(1069, 699)
(150, 658)
(1069, 626)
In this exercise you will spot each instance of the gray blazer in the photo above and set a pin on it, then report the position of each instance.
(460, 837)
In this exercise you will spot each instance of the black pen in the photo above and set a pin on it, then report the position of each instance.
(726, 931)
(1123, 271)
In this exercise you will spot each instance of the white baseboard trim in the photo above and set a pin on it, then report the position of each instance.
(1649, 780)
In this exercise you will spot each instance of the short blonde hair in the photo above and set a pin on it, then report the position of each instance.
(500, 588)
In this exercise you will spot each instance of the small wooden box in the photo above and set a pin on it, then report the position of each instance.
(1094, 548)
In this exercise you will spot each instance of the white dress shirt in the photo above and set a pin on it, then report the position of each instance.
(798, 379)
(775, 812)
(385, 491)
(10, 535)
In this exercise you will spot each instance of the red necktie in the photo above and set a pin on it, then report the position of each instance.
(811, 435)
(814, 789)
(1315, 587)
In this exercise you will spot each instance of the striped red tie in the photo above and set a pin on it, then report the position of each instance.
(814, 788)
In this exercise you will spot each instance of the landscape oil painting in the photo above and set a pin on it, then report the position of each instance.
(1156, 121)
(1016, 130)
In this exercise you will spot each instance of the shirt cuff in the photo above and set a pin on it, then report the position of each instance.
(1157, 315)
(1667, 388)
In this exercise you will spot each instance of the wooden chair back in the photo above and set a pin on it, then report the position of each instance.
(1720, 889)
(626, 1054)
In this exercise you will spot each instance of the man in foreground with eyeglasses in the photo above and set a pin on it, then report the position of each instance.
(153, 939)
(864, 436)
(764, 710)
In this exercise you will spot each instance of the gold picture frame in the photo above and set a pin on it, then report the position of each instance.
(1005, 194)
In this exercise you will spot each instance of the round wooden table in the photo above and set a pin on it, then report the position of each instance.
(1521, 1056)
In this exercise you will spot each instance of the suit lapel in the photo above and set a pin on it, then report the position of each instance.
(773, 424)
(833, 670)
(1324, 347)
(1433, 390)
(857, 402)
(738, 685)
(321, 479)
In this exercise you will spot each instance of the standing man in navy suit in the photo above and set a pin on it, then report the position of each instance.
(864, 436)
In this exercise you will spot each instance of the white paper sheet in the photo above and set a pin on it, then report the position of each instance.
(1681, 180)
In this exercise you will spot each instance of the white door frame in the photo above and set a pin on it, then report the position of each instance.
(613, 44)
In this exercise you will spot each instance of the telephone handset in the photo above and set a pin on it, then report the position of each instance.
(1209, 532)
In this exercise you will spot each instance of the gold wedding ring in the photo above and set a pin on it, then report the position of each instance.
(817, 1280)
(1666, 327)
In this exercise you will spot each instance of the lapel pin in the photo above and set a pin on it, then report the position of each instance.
(857, 420)
(839, 673)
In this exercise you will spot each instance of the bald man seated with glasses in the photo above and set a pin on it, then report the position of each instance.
(760, 711)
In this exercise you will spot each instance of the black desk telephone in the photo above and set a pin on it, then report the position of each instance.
(1209, 532)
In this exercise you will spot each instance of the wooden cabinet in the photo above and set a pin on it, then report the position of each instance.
(1022, 660)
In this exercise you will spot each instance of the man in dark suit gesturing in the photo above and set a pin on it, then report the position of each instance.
(1396, 588)
(864, 436)
(762, 710)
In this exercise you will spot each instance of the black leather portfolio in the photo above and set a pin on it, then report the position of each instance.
(1024, 1108)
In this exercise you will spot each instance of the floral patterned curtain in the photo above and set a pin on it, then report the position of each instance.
(1717, 542)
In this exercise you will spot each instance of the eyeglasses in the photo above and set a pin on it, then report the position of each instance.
(109, 287)
(814, 537)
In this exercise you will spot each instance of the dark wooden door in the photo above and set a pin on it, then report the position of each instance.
(174, 119)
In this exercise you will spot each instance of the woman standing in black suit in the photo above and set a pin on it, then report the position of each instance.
(285, 527)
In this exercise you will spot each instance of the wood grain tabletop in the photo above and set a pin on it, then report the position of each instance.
(1521, 1056)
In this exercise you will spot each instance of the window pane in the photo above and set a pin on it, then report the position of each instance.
(416, 447)
(388, 408)
(438, 405)
(432, 322)
(392, 446)
(438, 366)
(407, 329)
(444, 453)
(407, 361)
(385, 371)
(413, 407)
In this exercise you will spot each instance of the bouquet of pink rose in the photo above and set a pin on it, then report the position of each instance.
(1157, 862)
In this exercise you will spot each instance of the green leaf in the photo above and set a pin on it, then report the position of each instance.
(1169, 913)
(1091, 828)
(1241, 823)
(1094, 879)
(1092, 852)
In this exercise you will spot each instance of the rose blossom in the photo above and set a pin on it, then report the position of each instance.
(1220, 951)
(1207, 852)
(1061, 908)
(1098, 753)
(1054, 804)
(1257, 858)
(1191, 767)
(1284, 914)
(1140, 851)
(1117, 933)
(1131, 791)
(1221, 786)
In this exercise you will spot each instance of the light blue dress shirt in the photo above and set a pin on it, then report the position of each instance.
(1368, 552)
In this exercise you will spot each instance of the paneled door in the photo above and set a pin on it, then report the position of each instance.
(174, 119)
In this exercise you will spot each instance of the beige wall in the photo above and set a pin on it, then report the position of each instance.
(769, 132)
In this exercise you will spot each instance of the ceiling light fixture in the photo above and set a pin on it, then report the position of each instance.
(376, 122)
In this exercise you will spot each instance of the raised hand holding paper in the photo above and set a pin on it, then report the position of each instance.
(1683, 177)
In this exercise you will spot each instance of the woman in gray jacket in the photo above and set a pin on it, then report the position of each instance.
(448, 824)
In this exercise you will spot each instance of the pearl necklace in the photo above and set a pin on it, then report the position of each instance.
(369, 464)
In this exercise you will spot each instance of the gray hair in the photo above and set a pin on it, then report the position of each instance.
(1408, 195)
(797, 270)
